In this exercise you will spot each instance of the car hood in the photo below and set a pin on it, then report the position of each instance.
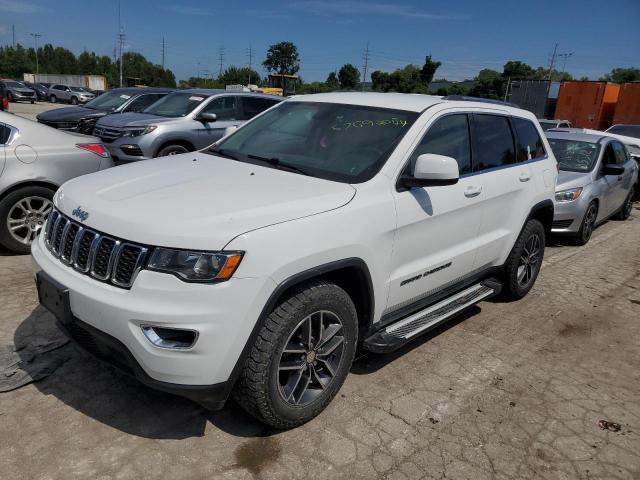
(195, 200)
(69, 114)
(132, 119)
(21, 90)
(567, 180)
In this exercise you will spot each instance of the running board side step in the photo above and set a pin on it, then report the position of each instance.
(399, 333)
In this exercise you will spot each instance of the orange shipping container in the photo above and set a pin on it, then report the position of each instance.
(587, 104)
(628, 108)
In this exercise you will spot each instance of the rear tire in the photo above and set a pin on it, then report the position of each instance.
(74, 101)
(172, 150)
(523, 264)
(627, 207)
(25, 211)
(588, 225)
(300, 357)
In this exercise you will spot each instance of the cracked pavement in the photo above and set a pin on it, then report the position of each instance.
(508, 390)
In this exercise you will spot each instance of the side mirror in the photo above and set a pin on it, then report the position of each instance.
(613, 170)
(432, 170)
(207, 117)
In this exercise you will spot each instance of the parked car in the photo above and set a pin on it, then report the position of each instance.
(548, 124)
(66, 93)
(18, 91)
(34, 161)
(255, 267)
(181, 122)
(42, 91)
(632, 143)
(596, 181)
(4, 103)
(626, 130)
(83, 118)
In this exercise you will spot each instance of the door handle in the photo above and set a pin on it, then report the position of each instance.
(472, 191)
(524, 177)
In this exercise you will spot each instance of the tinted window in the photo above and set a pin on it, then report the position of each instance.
(4, 134)
(334, 141)
(620, 153)
(177, 104)
(142, 102)
(574, 155)
(223, 107)
(253, 106)
(547, 125)
(494, 141)
(628, 130)
(609, 156)
(448, 136)
(530, 144)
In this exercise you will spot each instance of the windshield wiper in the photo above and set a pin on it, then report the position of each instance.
(277, 163)
(224, 153)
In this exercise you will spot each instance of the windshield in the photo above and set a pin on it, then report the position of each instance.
(78, 89)
(346, 143)
(628, 130)
(547, 125)
(573, 155)
(15, 85)
(175, 105)
(108, 101)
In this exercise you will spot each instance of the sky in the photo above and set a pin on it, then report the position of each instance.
(465, 35)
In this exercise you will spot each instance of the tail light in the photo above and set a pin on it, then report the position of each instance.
(5, 104)
(96, 148)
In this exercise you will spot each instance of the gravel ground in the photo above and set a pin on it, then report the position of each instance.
(511, 390)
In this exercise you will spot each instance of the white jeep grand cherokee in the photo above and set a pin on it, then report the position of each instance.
(256, 267)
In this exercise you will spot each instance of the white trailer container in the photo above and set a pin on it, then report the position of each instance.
(93, 82)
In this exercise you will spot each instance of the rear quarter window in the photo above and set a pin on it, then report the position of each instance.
(530, 146)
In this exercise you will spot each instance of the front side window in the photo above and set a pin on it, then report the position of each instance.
(493, 141)
(448, 136)
(620, 153)
(178, 104)
(530, 146)
(574, 155)
(609, 156)
(252, 106)
(345, 143)
(223, 107)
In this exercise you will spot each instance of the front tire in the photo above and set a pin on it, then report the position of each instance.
(53, 99)
(523, 264)
(22, 215)
(301, 356)
(172, 150)
(588, 225)
(74, 101)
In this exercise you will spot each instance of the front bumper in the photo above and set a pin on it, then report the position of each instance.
(129, 149)
(567, 216)
(108, 320)
(22, 97)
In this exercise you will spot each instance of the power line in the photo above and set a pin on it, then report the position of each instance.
(553, 60)
(13, 34)
(250, 54)
(565, 56)
(221, 60)
(120, 41)
(35, 37)
(366, 65)
(163, 53)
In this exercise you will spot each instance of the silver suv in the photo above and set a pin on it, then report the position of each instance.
(181, 122)
(66, 93)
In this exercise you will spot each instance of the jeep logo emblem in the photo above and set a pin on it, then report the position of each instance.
(81, 214)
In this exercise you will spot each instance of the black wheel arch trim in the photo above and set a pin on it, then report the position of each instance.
(287, 284)
(539, 207)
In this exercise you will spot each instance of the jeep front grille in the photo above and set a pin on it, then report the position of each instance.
(93, 253)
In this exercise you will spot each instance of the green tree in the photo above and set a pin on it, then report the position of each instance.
(516, 69)
(428, 70)
(239, 76)
(332, 81)
(488, 84)
(381, 81)
(348, 76)
(282, 58)
(623, 75)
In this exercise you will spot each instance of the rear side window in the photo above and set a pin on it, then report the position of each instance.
(494, 145)
(4, 134)
(448, 136)
(530, 146)
(223, 107)
(253, 106)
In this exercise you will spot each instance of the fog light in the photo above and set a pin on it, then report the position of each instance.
(172, 338)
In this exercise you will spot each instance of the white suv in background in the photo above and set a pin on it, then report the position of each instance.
(256, 267)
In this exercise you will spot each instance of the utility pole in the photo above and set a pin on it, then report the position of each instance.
(250, 53)
(564, 56)
(120, 41)
(35, 37)
(13, 35)
(221, 61)
(163, 53)
(553, 61)
(366, 65)
(198, 71)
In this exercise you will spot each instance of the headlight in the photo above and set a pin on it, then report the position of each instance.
(137, 132)
(192, 266)
(568, 195)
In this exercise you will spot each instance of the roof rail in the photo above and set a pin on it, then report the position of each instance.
(478, 99)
